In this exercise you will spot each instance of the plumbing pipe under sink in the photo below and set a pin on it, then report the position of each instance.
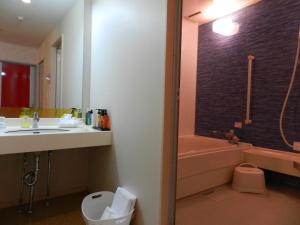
(30, 179)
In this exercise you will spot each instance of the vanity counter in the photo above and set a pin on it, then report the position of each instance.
(12, 142)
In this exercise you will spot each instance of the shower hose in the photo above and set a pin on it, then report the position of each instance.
(288, 95)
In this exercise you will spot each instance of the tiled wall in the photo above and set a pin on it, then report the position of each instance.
(269, 31)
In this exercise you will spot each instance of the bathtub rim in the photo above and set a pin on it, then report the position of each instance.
(191, 153)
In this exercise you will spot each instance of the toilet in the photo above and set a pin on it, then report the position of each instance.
(249, 178)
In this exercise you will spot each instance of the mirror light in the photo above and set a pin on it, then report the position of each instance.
(26, 1)
(3, 73)
(226, 27)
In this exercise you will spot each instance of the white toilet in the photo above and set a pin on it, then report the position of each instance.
(94, 205)
(249, 178)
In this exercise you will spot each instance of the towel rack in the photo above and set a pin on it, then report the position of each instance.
(249, 89)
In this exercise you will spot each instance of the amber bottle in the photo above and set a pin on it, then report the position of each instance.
(106, 120)
(100, 119)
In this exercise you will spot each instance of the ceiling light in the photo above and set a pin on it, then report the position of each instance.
(3, 73)
(26, 1)
(226, 27)
(220, 8)
(20, 18)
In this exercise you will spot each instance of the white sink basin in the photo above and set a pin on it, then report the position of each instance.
(49, 136)
(37, 131)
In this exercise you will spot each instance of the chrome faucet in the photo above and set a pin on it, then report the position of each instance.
(232, 138)
(36, 119)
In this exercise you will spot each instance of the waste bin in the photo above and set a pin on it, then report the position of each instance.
(94, 205)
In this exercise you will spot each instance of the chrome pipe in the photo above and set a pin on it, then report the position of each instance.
(50, 153)
(30, 180)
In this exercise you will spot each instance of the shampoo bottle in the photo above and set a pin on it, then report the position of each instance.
(95, 117)
(101, 119)
(99, 125)
(106, 124)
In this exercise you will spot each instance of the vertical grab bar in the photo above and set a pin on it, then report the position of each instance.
(249, 89)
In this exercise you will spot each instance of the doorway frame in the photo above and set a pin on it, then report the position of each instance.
(171, 111)
(57, 79)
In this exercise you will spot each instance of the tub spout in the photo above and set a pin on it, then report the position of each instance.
(232, 138)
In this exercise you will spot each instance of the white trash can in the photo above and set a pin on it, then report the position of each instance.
(94, 205)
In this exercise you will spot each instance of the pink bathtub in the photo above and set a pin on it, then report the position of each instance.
(204, 163)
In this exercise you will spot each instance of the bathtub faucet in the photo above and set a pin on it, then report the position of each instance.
(231, 137)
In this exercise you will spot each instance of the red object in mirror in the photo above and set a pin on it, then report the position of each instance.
(15, 87)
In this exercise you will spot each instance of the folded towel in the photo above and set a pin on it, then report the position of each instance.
(2, 123)
(109, 214)
(123, 202)
(68, 122)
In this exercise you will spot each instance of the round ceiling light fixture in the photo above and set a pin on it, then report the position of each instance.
(226, 27)
(20, 19)
(26, 1)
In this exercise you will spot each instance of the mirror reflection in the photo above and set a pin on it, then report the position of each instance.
(41, 54)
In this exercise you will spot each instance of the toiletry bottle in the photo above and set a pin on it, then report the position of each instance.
(88, 117)
(91, 117)
(99, 118)
(79, 113)
(76, 113)
(106, 120)
(95, 117)
(73, 112)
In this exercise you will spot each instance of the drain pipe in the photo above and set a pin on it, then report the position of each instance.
(30, 179)
(50, 153)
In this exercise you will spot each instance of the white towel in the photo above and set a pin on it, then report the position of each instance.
(68, 122)
(109, 214)
(2, 123)
(123, 202)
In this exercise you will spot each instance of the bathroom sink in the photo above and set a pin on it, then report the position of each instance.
(37, 131)
(49, 136)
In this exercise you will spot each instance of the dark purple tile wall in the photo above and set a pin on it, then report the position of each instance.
(269, 31)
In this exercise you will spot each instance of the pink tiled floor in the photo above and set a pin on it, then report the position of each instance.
(224, 206)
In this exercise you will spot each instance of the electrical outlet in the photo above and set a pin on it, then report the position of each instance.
(238, 125)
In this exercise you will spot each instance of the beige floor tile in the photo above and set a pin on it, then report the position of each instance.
(224, 206)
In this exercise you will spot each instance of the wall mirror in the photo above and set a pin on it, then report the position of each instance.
(41, 54)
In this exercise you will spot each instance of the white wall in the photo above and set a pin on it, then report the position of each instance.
(18, 53)
(127, 77)
(188, 77)
(71, 30)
